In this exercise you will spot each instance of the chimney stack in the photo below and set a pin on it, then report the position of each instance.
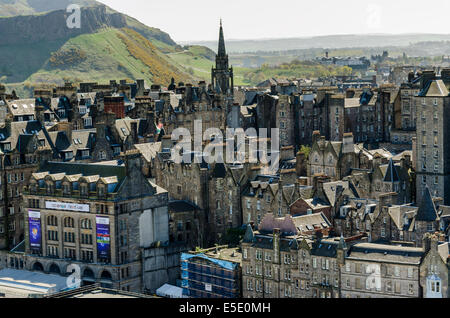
(348, 145)
(427, 77)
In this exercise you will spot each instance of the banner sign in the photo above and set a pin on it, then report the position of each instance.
(103, 238)
(34, 222)
(67, 206)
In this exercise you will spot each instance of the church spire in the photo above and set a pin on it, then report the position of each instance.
(221, 51)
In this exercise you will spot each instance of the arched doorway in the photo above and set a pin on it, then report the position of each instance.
(88, 277)
(38, 267)
(106, 279)
(54, 269)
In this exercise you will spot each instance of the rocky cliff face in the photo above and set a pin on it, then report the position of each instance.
(53, 25)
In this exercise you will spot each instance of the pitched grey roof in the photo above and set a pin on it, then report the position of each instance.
(249, 236)
(427, 210)
(391, 173)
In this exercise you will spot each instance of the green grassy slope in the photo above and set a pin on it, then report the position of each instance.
(105, 56)
(199, 61)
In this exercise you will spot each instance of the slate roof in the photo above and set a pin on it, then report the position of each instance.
(386, 253)
(324, 248)
(427, 210)
(435, 88)
(307, 223)
(86, 170)
(182, 206)
(391, 173)
(149, 150)
(249, 235)
(123, 127)
(21, 107)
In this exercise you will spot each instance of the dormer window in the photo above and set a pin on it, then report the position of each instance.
(66, 188)
(101, 191)
(50, 188)
(69, 155)
(82, 110)
(33, 187)
(7, 146)
(84, 190)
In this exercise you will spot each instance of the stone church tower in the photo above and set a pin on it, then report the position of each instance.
(222, 76)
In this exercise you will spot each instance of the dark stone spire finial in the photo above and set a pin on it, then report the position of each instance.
(221, 51)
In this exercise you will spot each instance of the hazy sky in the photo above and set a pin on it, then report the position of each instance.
(197, 20)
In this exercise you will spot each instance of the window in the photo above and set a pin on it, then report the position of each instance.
(69, 253)
(410, 272)
(69, 237)
(86, 224)
(69, 222)
(84, 190)
(52, 251)
(52, 235)
(86, 239)
(52, 220)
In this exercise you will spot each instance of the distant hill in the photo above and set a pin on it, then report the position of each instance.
(34, 10)
(325, 42)
(10, 8)
(40, 48)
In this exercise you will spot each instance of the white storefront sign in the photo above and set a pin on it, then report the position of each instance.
(67, 206)
(34, 214)
(102, 220)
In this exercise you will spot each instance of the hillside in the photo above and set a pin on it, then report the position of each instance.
(10, 8)
(33, 20)
(326, 42)
(198, 60)
(39, 48)
(108, 54)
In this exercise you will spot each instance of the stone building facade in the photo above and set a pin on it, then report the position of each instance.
(98, 217)
(432, 154)
(381, 271)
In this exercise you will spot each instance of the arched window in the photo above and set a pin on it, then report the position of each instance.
(106, 275)
(69, 222)
(54, 269)
(86, 224)
(52, 220)
(38, 267)
(88, 273)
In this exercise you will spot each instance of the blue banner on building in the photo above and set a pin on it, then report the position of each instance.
(103, 239)
(34, 222)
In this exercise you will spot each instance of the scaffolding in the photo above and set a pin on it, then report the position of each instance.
(206, 277)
